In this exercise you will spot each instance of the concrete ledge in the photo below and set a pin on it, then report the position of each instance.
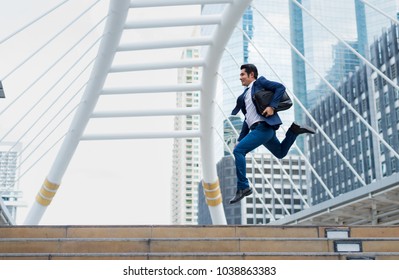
(193, 242)
(198, 256)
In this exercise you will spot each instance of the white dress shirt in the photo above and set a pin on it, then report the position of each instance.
(252, 116)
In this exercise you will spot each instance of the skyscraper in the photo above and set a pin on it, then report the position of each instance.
(186, 152)
(298, 64)
(385, 98)
(322, 49)
(377, 22)
(354, 22)
(378, 103)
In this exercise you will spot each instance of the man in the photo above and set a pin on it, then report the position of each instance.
(259, 129)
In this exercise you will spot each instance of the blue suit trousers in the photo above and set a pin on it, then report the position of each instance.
(262, 134)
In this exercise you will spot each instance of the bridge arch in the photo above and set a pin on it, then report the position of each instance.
(110, 45)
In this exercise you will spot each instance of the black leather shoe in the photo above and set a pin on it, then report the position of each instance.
(240, 194)
(300, 129)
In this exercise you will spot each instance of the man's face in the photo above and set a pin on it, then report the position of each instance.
(245, 78)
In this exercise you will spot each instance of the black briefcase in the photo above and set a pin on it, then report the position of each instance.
(263, 98)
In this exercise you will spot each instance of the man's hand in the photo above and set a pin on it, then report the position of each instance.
(269, 111)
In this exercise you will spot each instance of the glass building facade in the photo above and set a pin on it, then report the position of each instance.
(322, 49)
(378, 103)
(377, 22)
(385, 56)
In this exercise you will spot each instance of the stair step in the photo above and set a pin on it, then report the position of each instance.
(375, 231)
(198, 242)
(267, 231)
(109, 245)
(199, 256)
(33, 231)
(381, 245)
(171, 256)
(157, 231)
(163, 245)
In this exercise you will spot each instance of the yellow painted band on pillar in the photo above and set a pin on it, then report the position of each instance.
(46, 193)
(212, 194)
(43, 201)
(50, 186)
(214, 202)
(210, 186)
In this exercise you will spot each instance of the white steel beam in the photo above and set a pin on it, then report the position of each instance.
(143, 135)
(147, 113)
(178, 43)
(160, 3)
(158, 65)
(174, 22)
(5, 216)
(231, 16)
(152, 89)
(118, 10)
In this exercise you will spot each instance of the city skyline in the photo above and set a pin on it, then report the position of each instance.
(142, 157)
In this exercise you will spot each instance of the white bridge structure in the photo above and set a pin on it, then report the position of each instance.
(356, 207)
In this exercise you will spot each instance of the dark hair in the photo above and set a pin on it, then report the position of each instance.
(250, 68)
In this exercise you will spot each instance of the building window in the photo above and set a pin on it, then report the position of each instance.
(379, 50)
(388, 120)
(397, 36)
(379, 122)
(382, 149)
(384, 168)
(364, 105)
(389, 44)
(377, 103)
(393, 71)
(386, 98)
(384, 82)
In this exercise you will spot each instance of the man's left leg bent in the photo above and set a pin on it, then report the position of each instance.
(280, 150)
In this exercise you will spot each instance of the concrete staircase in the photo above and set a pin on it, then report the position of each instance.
(199, 242)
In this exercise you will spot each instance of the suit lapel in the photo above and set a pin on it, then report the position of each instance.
(240, 104)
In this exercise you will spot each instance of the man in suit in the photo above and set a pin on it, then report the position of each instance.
(259, 129)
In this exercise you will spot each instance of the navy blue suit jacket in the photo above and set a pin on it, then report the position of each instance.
(259, 84)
